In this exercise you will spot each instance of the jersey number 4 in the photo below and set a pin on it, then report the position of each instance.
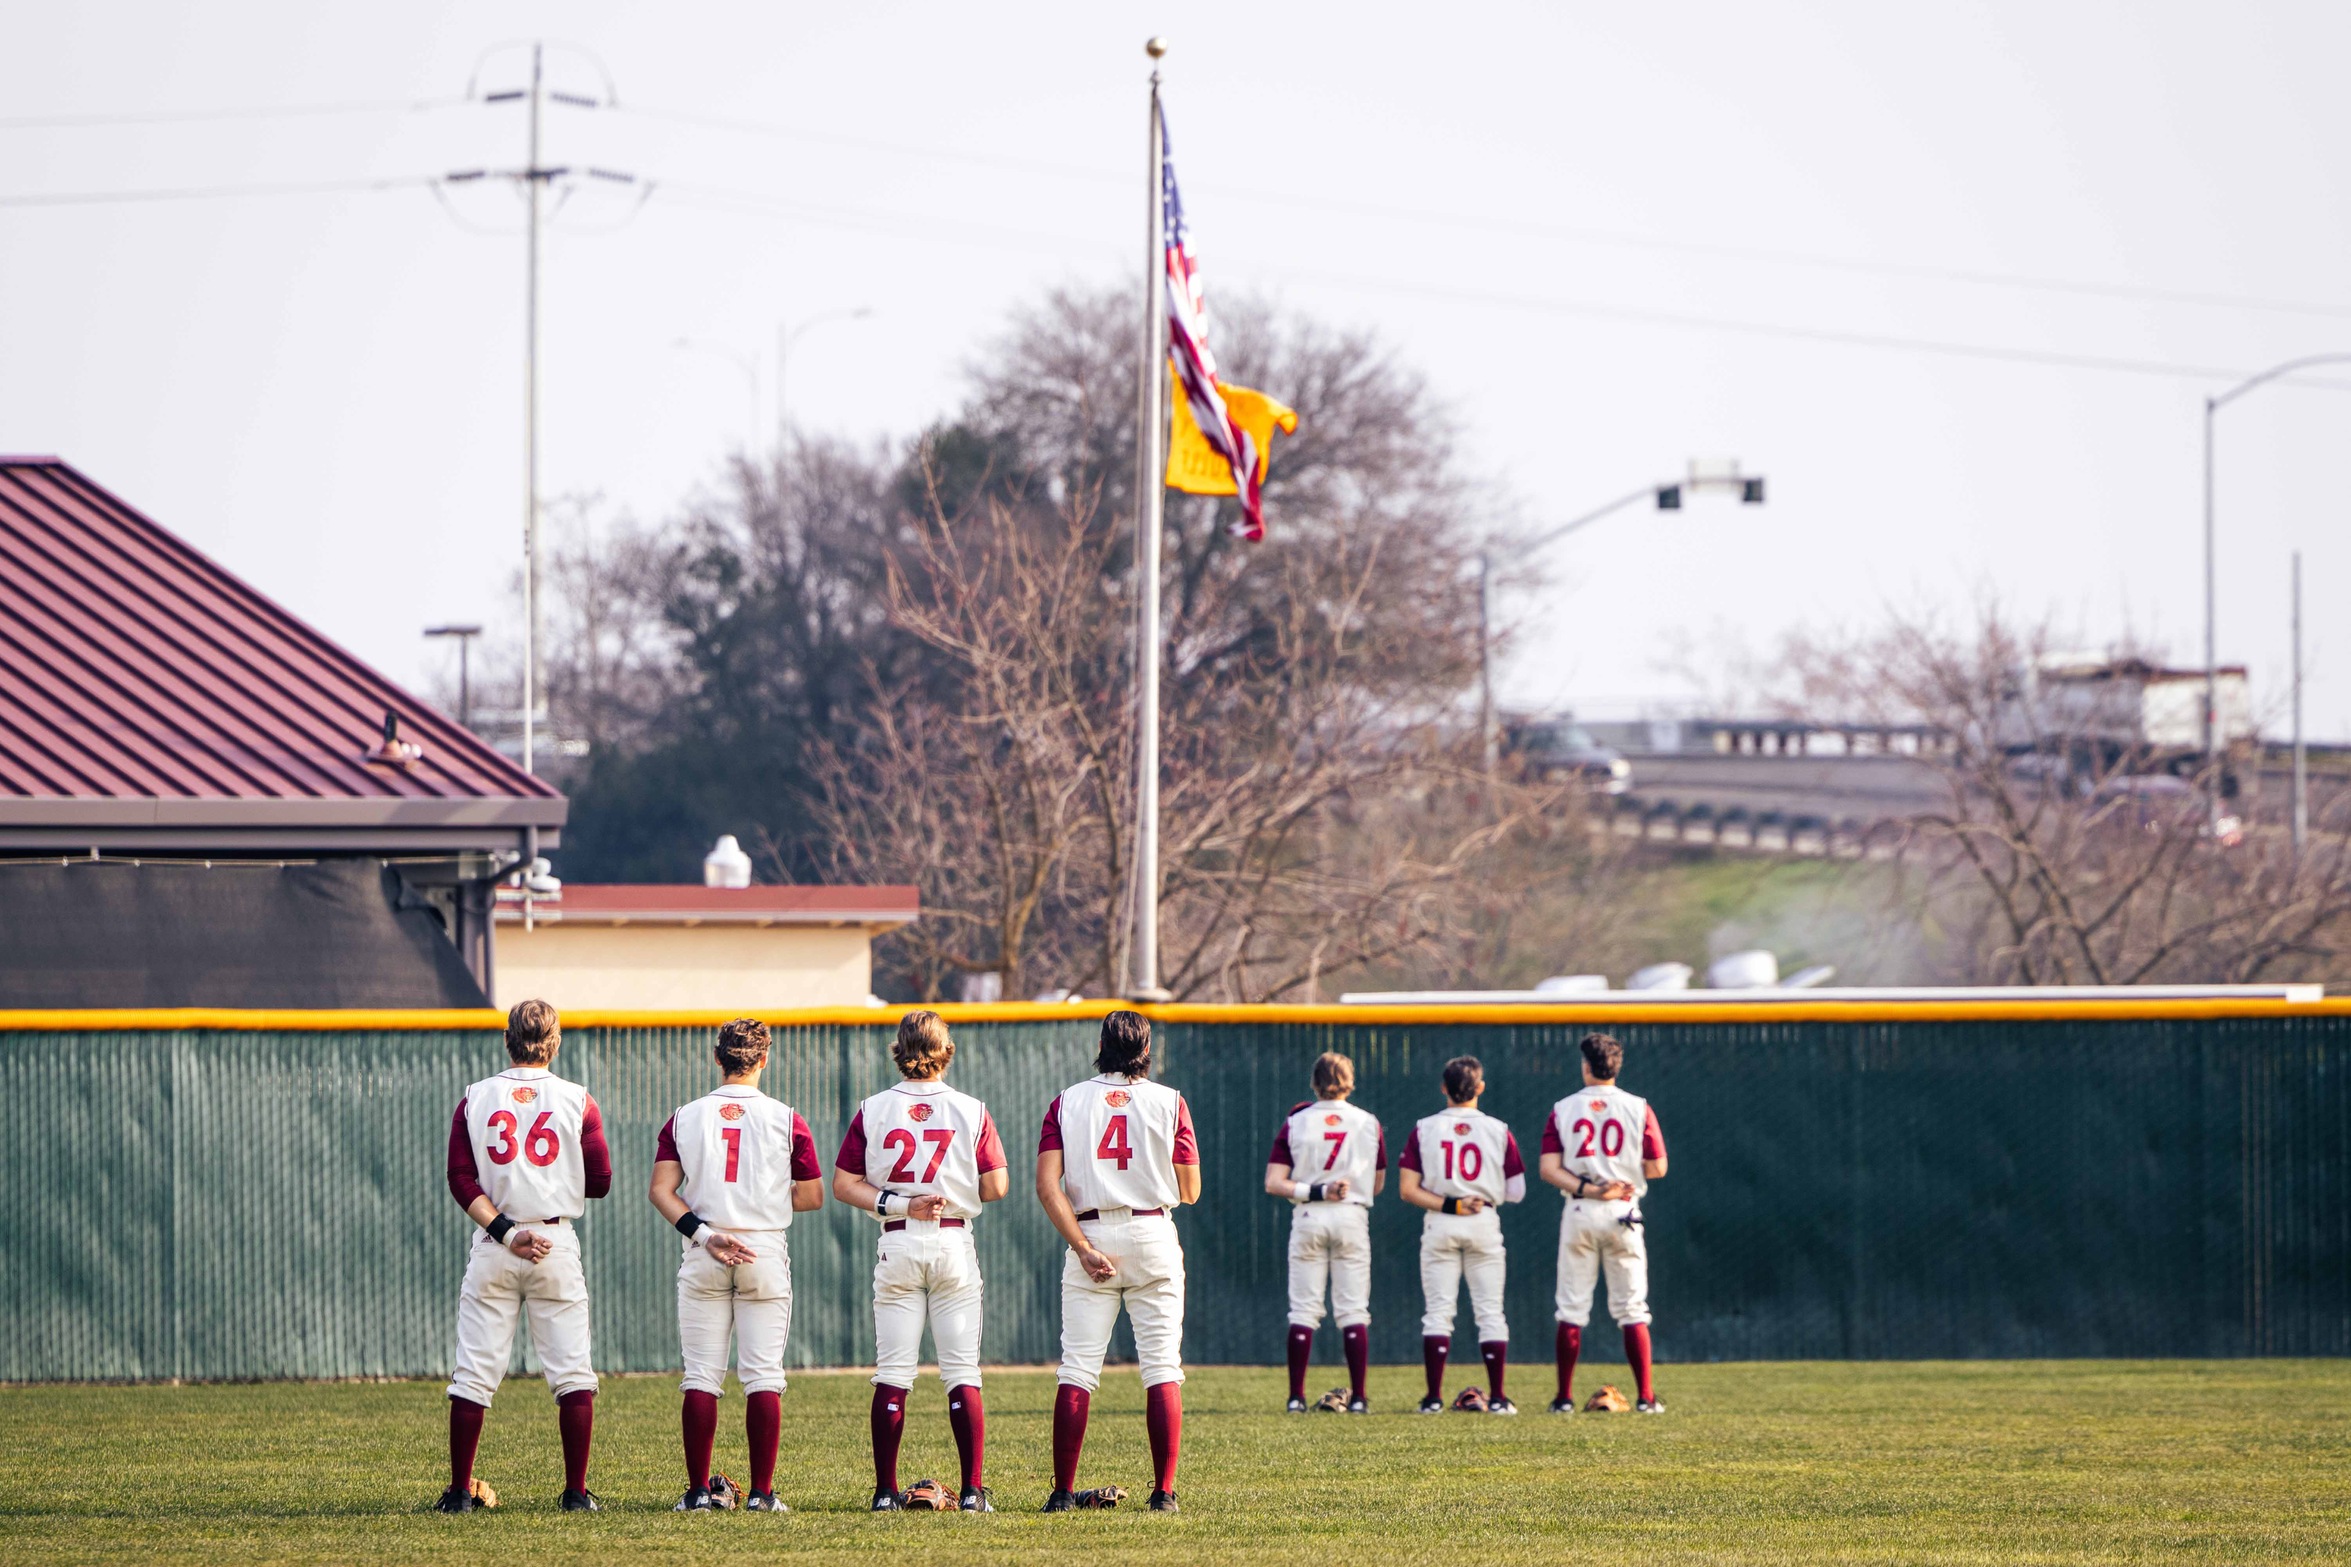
(902, 1140)
(539, 1145)
(1114, 1145)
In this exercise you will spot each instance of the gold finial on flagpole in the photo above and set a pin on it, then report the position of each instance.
(1155, 48)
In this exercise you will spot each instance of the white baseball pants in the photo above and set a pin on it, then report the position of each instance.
(1148, 1283)
(1454, 1247)
(1592, 1237)
(552, 1293)
(752, 1301)
(1330, 1242)
(926, 1272)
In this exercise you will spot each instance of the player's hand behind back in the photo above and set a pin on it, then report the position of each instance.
(727, 1250)
(1336, 1191)
(1097, 1264)
(929, 1205)
(529, 1245)
(1473, 1205)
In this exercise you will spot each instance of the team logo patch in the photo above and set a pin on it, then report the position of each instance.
(1461, 1128)
(1117, 1098)
(918, 1112)
(730, 1112)
(1331, 1120)
(1599, 1107)
(523, 1096)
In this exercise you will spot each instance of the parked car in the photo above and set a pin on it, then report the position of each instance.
(1562, 748)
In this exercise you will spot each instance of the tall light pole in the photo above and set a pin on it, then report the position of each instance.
(1703, 476)
(750, 368)
(786, 336)
(466, 634)
(2212, 406)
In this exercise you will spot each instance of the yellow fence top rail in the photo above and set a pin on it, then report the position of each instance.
(1591, 1014)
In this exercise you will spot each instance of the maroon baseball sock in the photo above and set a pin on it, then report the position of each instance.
(575, 1417)
(465, 1439)
(1163, 1416)
(763, 1425)
(699, 1418)
(1357, 1342)
(967, 1417)
(1636, 1354)
(1069, 1434)
(1568, 1342)
(1497, 1356)
(1301, 1350)
(889, 1429)
(1433, 1350)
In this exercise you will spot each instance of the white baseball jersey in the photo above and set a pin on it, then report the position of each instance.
(1603, 1133)
(1120, 1140)
(527, 1133)
(1466, 1153)
(1325, 1140)
(741, 1152)
(919, 1138)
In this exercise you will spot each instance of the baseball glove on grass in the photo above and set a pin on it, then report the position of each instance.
(1470, 1401)
(724, 1493)
(1103, 1496)
(1332, 1403)
(1608, 1401)
(482, 1492)
(929, 1496)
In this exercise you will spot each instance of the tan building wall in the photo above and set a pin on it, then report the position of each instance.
(713, 967)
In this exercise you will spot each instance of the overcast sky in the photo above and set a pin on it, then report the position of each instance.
(1878, 253)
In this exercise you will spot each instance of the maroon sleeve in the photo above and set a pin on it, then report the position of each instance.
(1049, 1139)
(465, 1176)
(991, 1149)
(1282, 1153)
(665, 1147)
(806, 1166)
(1380, 1161)
(1551, 1142)
(1512, 1164)
(595, 1157)
(1187, 1145)
(1652, 1138)
(852, 1154)
(1410, 1158)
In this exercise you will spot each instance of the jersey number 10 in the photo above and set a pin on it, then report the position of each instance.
(1472, 1161)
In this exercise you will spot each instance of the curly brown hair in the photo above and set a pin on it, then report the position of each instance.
(742, 1045)
(1604, 1056)
(922, 1049)
(533, 1030)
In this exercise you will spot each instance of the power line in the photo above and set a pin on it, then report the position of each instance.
(96, 198)
(288, 111)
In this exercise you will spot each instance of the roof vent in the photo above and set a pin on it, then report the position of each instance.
(726, 865)
(392, 751)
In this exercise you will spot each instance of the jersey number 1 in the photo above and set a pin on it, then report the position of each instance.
(1114, 1145)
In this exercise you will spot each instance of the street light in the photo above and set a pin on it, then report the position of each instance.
(464, 636)
(2212, 406)
(786, 336)
(1705, 475)
(750, 368)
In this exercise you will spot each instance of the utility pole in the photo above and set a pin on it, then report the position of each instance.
(2301, 771)
(1150, 499)
(464, 636)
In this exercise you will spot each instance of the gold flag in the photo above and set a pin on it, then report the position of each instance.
(1193, 465)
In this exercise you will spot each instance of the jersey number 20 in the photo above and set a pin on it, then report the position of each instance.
(1610, 1134)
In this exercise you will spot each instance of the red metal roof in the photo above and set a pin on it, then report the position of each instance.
(629, 904)
(134, 669)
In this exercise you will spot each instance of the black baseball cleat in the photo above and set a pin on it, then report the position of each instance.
(1431, 1406)
(1296, 1406)
(1563, 1406)
(696, 1500)
(1164, 1502)
(1359, 1406)
(764, 1502)
(455, 1501)
(885, 1500)
(580, 1502)
(978, 1499)
(1060, 1501)
(1650, 1406)
(1500, 1406)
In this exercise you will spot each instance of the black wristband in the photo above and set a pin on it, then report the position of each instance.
(881, 1205)
(689, 1222)
(499, 1227)
(1314, 1192)
(1452, 1205)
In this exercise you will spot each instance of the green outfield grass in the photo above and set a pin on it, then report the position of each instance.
(2232, 1461)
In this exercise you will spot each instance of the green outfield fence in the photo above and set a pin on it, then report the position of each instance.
(213, 1195)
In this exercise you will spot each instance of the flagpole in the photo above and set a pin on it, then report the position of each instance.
(1150, 498)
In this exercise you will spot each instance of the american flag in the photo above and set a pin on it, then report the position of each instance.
(1187, 346)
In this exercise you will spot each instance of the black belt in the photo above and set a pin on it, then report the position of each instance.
(899, 1224)
(1092, 1214)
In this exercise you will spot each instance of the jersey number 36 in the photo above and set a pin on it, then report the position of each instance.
(539, 1145)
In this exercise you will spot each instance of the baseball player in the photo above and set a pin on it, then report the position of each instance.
(729, 1171)
(1602, 1148)
(526, 1153)
(1462, 1165)
(1115, 1158)
(1330, 1159)
(922, 1158)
